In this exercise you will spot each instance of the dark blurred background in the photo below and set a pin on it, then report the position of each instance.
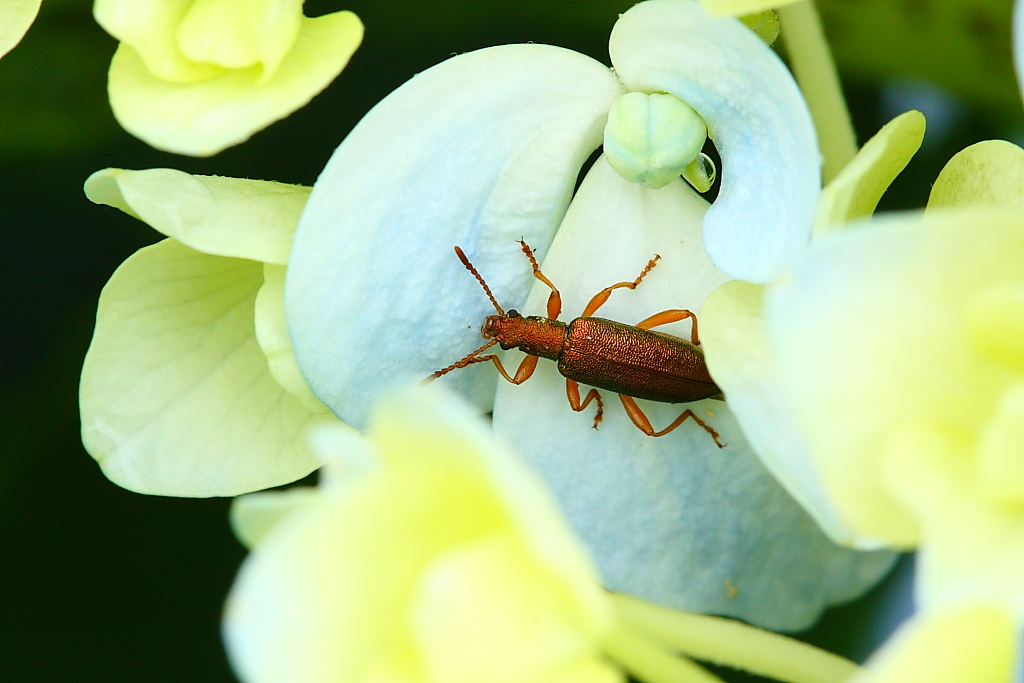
(100, 584)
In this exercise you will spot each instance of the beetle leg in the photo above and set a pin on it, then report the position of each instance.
(641, 421)
(554, 299)
(523, 373)
(672, 315)
(603, 295)
(572, 390)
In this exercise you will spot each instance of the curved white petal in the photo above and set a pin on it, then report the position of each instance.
(176, 396)
(672, 519)
(478, 151)
(756, 116)
(251, 219)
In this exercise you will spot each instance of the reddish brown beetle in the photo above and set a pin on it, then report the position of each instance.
(632, 361)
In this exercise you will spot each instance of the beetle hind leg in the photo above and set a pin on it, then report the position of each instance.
(670, 316)
(644, 425)
(572, 390)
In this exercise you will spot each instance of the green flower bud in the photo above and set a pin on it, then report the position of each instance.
(651, 139)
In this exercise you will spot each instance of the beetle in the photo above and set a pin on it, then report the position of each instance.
(630, 360)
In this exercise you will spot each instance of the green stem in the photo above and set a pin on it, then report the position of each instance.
(650, 662)
(815, 71)
(732, 643)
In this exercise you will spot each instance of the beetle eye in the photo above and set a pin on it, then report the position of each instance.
(512, 313)
(504, 346)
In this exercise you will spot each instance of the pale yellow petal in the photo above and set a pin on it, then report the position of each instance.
(431, 426)
(738, 8)
(236, 34)
(382, 579)
(485, 611)
(253, 515)
(764, 24)
(15, 18)
(1001, 451)
(869, 333)
(970, 549)
(176, 396)
(273, 337)
(252, 219)
(855, 192)
(969, 643)
(345, 453)
(995, 322)
(146, 27)
(324, 596)
(203, 117)
(986, 174)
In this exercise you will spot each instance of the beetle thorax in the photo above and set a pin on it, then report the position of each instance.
(535, 335)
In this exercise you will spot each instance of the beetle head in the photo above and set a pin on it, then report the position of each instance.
(508, 329)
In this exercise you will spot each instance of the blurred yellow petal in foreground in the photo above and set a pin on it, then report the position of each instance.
(443, 559)
(971, 643)
(429, 553)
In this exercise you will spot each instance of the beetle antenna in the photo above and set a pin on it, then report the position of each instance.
(469, 266)
(468, 360)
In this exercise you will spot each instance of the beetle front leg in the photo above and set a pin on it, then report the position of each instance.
(572, 390)
(523, 373)
(644, 425)
(554, 299)
(672, 315)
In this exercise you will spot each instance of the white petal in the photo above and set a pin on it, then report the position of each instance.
(478, 151)
(755, 115)
(670, 519)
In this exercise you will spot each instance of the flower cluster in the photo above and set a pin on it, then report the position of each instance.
(873, 368)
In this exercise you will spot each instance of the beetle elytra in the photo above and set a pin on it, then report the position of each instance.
(630, 360)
